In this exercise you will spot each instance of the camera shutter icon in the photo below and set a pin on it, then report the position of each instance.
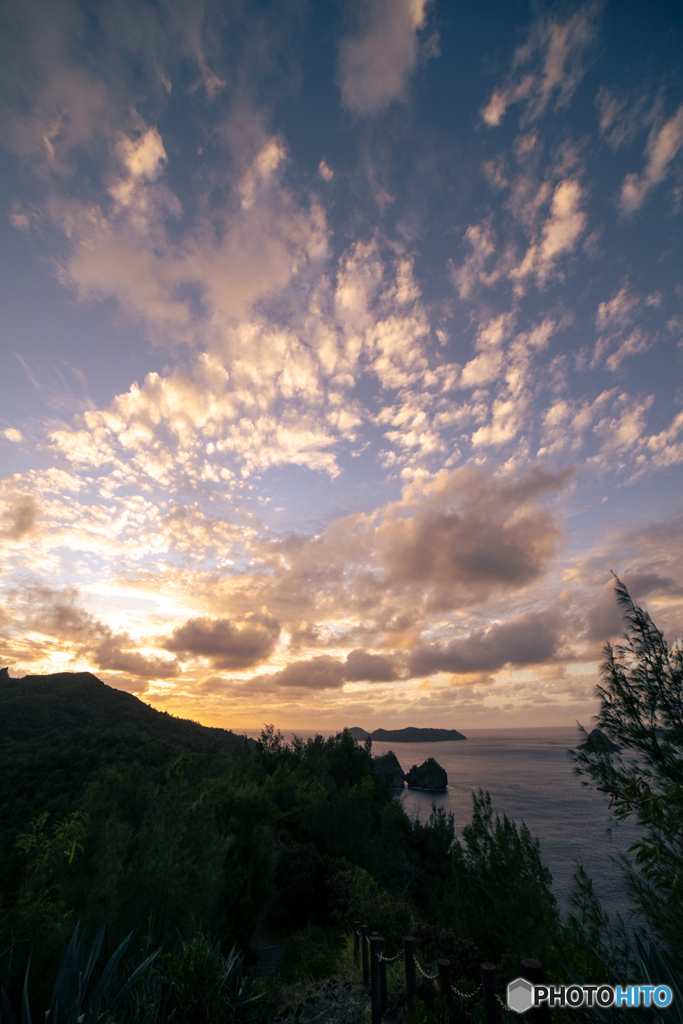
(520, 995)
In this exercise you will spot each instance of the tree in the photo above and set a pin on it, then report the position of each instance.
(641, 709)
(501, 898)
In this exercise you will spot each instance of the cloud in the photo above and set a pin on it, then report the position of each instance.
(614, 317)
(233, 256)
(58, 617)
(529, 639)
(327, 673)
(620, 119)
(666, 449)
(18, 517)
(265, 393)
(12, 434)
(110, 656)
(325, 172)
(550, 64)
(374, 67)
(637, 341)
(625, 429)
(481, 239)
(361, 666)
(228, 644)
(559, 234)
(662, 146)
(473, 534)
(618, 310)
(321, 673)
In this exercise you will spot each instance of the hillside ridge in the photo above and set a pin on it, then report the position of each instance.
(34, 705)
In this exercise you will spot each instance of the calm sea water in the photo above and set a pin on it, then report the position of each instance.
(530, 778)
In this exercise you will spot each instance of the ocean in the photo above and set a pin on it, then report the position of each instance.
(530, 778)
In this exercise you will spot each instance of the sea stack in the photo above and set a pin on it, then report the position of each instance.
(388, 769)
(430, 775)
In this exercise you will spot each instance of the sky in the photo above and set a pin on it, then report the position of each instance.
(341, 351)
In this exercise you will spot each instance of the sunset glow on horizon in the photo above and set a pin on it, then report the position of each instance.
(342, 352)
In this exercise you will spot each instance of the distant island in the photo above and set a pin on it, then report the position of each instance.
(409, 735)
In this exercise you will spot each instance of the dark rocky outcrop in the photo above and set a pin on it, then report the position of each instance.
(599, 742)
(413, 735)
(430, 775)
(388, 769)
(408, 735)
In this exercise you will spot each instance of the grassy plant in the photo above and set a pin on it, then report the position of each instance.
(76, 997)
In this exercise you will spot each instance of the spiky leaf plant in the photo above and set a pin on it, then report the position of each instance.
(76, 997)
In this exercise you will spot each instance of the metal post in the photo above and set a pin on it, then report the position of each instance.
(446, 984)
(409, 961)
(375, 983)
(489, 989)
(533, 972)
(383, 972)
(356, 940)
(364, 950)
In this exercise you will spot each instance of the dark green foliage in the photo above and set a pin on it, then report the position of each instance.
(76, 997)
(168, 857)
(201, 986)
(501, 896)
(652, 967)
(34, 706)
(157, 827)
(197, 985)
(299, 888)
(311, 953)
(354, 895)
(57, 733)
(641, 708)
(433, 943)
(434, 860)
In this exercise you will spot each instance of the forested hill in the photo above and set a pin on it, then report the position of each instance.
(57, 732)
(35, 705)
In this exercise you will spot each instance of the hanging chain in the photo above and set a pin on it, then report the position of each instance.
(466, 995)
(388, 959)
(429, 977)
(433, 977)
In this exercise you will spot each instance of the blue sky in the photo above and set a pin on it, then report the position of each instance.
(341, 352)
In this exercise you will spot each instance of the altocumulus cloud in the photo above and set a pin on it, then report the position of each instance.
(375, 65)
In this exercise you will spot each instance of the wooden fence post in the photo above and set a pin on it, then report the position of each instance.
(375, 983)
(446, 984)
(409, 961)
(383, 972)
(489, 991)
(356, 940)
(364, 950)
(533, 972)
